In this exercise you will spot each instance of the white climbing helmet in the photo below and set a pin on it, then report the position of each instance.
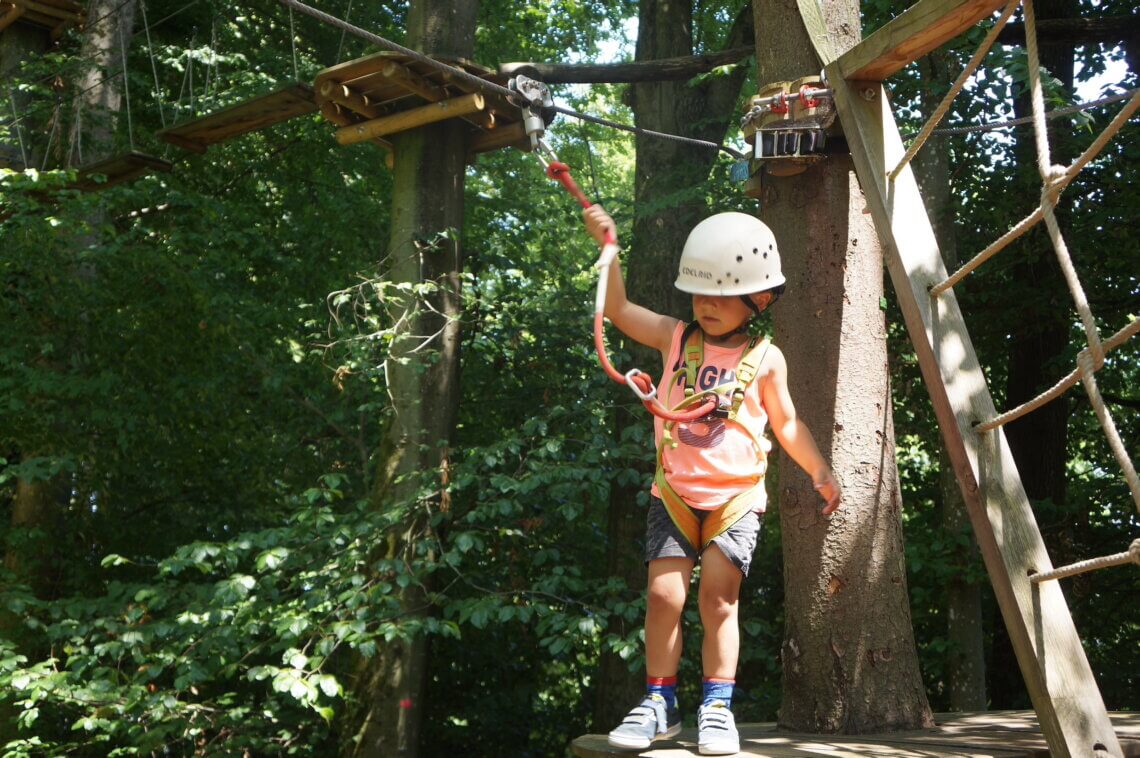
(729, 254)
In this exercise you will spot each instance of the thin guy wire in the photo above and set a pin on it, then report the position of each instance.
(948, 99)
(1066, 111)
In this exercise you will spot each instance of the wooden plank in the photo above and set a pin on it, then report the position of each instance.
(1049, 651)
(510, 135)
(119, 169)
(250, 115)
(410, 119)
(70, 14)
(912, 34)
(1009, 734)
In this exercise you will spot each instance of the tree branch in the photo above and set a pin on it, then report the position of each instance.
(663, 69)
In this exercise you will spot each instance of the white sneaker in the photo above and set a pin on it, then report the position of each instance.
(716, 730)
(649, 720)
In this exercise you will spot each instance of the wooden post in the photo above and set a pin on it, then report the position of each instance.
(411, 119)
(1053, 663)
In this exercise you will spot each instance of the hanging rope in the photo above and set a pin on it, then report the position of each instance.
(51, 134)
(1131, 555)
(293, 42)
(1054, 179)
(19, 133)
(153, 68)
(343, 32)
(126, 86)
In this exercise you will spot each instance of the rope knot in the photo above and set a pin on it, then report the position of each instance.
(1054, 179)
(1134, 551)
(555, 169)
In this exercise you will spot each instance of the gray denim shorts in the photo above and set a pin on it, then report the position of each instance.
(664, 540)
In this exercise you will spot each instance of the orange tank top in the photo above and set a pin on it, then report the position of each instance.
(714, 459)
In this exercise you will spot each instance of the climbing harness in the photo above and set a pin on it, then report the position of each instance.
(534, 95)
(728, 398)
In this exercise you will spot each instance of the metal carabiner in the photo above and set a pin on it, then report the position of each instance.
(644, 396)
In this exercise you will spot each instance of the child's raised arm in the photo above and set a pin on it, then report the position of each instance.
(793, 434)
(637, 322)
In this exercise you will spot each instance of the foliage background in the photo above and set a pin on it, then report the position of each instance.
(193, 366)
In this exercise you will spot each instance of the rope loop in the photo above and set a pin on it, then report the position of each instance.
(1134, 551)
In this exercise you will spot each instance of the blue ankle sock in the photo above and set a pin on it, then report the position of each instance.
(665, 686)
(718, 689)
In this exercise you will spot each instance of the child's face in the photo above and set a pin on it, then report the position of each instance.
(719, 315)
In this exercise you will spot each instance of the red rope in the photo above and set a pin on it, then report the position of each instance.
(560, 172)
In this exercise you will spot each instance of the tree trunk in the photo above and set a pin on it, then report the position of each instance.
(427, 216)
(668, 202)
(99, 89)
(965, 661)
(849, 659)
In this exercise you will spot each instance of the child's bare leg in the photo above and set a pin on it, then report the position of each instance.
(665, 600)
(719, 597)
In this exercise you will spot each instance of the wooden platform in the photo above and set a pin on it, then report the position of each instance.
(55, 15)
(371, 97)
(121, 168)
(282, 104)
(999, 734)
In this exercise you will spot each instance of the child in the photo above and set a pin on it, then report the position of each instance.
(709, 489)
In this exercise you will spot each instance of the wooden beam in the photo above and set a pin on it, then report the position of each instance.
(513, 135)
(663, 69)
(11, 13)
(912, 34)
(1076, 31)
(429, 114)
(71, 15)
(407, 79)
(1048, 648)
(343, 95)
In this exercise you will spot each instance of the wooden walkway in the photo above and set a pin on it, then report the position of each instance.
(999, 734)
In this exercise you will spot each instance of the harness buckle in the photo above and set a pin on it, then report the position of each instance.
(644, 396)
(723, 406)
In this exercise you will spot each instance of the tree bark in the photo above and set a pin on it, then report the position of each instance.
(849, 659)
(668, 202)
(427, 216)
(99, 88)
(965, 662)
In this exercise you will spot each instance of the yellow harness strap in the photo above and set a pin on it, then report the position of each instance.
(700, 533)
